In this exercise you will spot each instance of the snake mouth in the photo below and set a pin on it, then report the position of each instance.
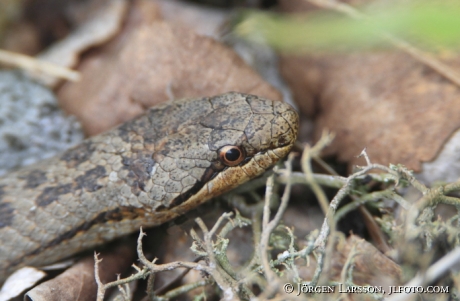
(249, 167)
(219, 182)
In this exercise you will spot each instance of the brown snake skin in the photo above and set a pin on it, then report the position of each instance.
(142, 173)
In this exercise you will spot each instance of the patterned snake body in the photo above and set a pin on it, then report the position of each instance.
(143, 173)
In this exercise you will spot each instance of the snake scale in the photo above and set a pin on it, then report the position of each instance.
(142, 173)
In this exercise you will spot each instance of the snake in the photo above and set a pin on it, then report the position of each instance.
(142, 173)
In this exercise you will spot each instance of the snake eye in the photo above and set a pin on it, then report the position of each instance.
(231, 155)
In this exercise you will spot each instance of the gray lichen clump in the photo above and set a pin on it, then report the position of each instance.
(32, 127)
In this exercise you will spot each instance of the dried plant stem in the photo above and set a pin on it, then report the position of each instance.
(149, 268)
(150, 287)
(185, 288)
(300, 178)
(452, 187)
(329, 222)
(227, 284)
(371, 197)
(307, 155)
(269, 226)
(100, 287)
(347, 269)
(34, 65)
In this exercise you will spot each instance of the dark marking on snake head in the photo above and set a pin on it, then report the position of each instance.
(140, 170)
(78, 154)
(208, 174)
(282, 141)
(34, 178)
(185, 195)
(88, 180)
(137, 127)
(51, 194)
(6, 214)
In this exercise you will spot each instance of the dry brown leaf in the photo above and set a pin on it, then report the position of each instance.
(103, 25)
(371, 266)
(78, 282)
(204, 20)
(22, 38)
(20, 281)
(78, 25)
(391, 104)
(156, 63)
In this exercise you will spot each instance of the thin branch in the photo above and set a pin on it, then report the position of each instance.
(366, 157)
(268, 227)
(173, 294)
(307, 155)
(100, 285)
(228, 286)
(32, 64)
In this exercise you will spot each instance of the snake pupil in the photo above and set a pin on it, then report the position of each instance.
(232, 154)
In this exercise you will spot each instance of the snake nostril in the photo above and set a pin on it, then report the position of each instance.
(282, 141)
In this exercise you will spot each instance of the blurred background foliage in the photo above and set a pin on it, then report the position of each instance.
(433, 24)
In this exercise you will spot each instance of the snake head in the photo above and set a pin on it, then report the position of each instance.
(231, 139)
